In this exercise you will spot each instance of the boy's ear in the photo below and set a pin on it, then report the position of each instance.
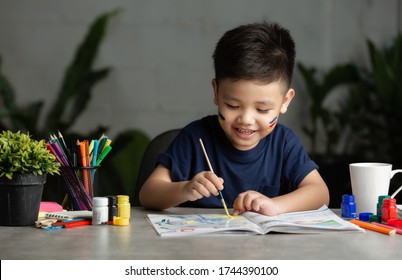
(286, 100)
(215, 87)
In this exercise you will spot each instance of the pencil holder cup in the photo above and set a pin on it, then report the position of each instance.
(80, 184)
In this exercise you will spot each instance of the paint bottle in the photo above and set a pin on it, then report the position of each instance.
(348, 206)
(389, 210)
(379, 203)
(112, 208)
(123, 206)
(100, 211)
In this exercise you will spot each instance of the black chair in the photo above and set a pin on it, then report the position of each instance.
(158, 145)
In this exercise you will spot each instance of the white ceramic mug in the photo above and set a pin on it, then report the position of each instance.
(370, 180)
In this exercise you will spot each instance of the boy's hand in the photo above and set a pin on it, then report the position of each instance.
(256, 202)
(202, 185)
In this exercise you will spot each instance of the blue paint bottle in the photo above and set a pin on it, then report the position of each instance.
(348, 206)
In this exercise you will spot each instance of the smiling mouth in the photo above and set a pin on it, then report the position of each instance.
(245, 131)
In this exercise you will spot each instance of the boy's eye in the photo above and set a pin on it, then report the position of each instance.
(263, 111)
(232, 106)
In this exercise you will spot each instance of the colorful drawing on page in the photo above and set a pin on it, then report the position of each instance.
(199, 221)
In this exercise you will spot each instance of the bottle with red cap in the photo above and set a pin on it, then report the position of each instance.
(389, 210)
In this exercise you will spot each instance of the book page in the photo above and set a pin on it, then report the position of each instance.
(315, 221)
(190, 225)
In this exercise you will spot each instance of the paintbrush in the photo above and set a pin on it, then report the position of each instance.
(211, 169)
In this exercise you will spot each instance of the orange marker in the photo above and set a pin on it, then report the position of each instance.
(376, 228)
(84, 153)
(85, 163)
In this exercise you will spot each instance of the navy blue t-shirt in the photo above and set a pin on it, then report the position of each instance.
(275, 166)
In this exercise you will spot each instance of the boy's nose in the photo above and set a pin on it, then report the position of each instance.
(246, 118)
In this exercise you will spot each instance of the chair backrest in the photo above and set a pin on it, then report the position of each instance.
(158, 145)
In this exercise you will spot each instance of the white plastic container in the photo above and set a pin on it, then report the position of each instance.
(100, 211)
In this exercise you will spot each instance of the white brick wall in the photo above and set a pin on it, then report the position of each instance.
(160, 51)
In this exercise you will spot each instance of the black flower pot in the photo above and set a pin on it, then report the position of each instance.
(20, 199)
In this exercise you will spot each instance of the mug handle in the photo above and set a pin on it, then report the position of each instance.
(393, 172)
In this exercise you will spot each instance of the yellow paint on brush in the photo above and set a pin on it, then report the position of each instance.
(226, 209)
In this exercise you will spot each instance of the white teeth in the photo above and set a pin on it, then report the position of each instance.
(245, 131)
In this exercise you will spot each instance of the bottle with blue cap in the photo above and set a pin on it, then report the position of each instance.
(348, 206)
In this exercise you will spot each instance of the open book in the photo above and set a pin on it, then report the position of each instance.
(316, 221)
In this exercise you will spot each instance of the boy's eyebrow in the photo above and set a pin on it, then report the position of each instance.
(266, 102)
(228, 97)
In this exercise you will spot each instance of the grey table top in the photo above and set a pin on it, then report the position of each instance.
(140, 241)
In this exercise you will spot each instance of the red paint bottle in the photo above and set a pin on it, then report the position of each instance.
(389, 210)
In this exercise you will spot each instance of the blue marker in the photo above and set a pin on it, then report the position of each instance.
(95, 152)
(52, 228)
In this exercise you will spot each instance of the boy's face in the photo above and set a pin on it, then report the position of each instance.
(249, 111)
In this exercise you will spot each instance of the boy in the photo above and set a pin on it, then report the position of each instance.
(260, 164)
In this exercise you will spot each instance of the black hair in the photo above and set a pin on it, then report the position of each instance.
(264, 52)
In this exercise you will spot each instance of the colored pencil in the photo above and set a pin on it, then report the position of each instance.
(398, 230)
(373, 227)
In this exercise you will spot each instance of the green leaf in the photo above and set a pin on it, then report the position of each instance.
(20, 153)
(339, 75)
(7, 92)
(84, 93)
(119, 170)
(79, 70)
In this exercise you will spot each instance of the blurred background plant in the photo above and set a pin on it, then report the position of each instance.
(119, 170)
(363, 124)
(73, 96)
(324, 120)
(375, 104)
(325, 127)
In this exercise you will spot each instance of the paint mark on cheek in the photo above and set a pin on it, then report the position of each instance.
(272, 124)
(221, 118)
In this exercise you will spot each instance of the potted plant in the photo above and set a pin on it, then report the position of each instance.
(24, 164)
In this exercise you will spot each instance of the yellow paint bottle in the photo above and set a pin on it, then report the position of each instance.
(123, 206)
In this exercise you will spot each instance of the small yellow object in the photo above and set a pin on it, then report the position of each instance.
(227, 212)
(120, 221)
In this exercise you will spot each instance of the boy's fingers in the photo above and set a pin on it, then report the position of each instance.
(238, 207)
(217, 183)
